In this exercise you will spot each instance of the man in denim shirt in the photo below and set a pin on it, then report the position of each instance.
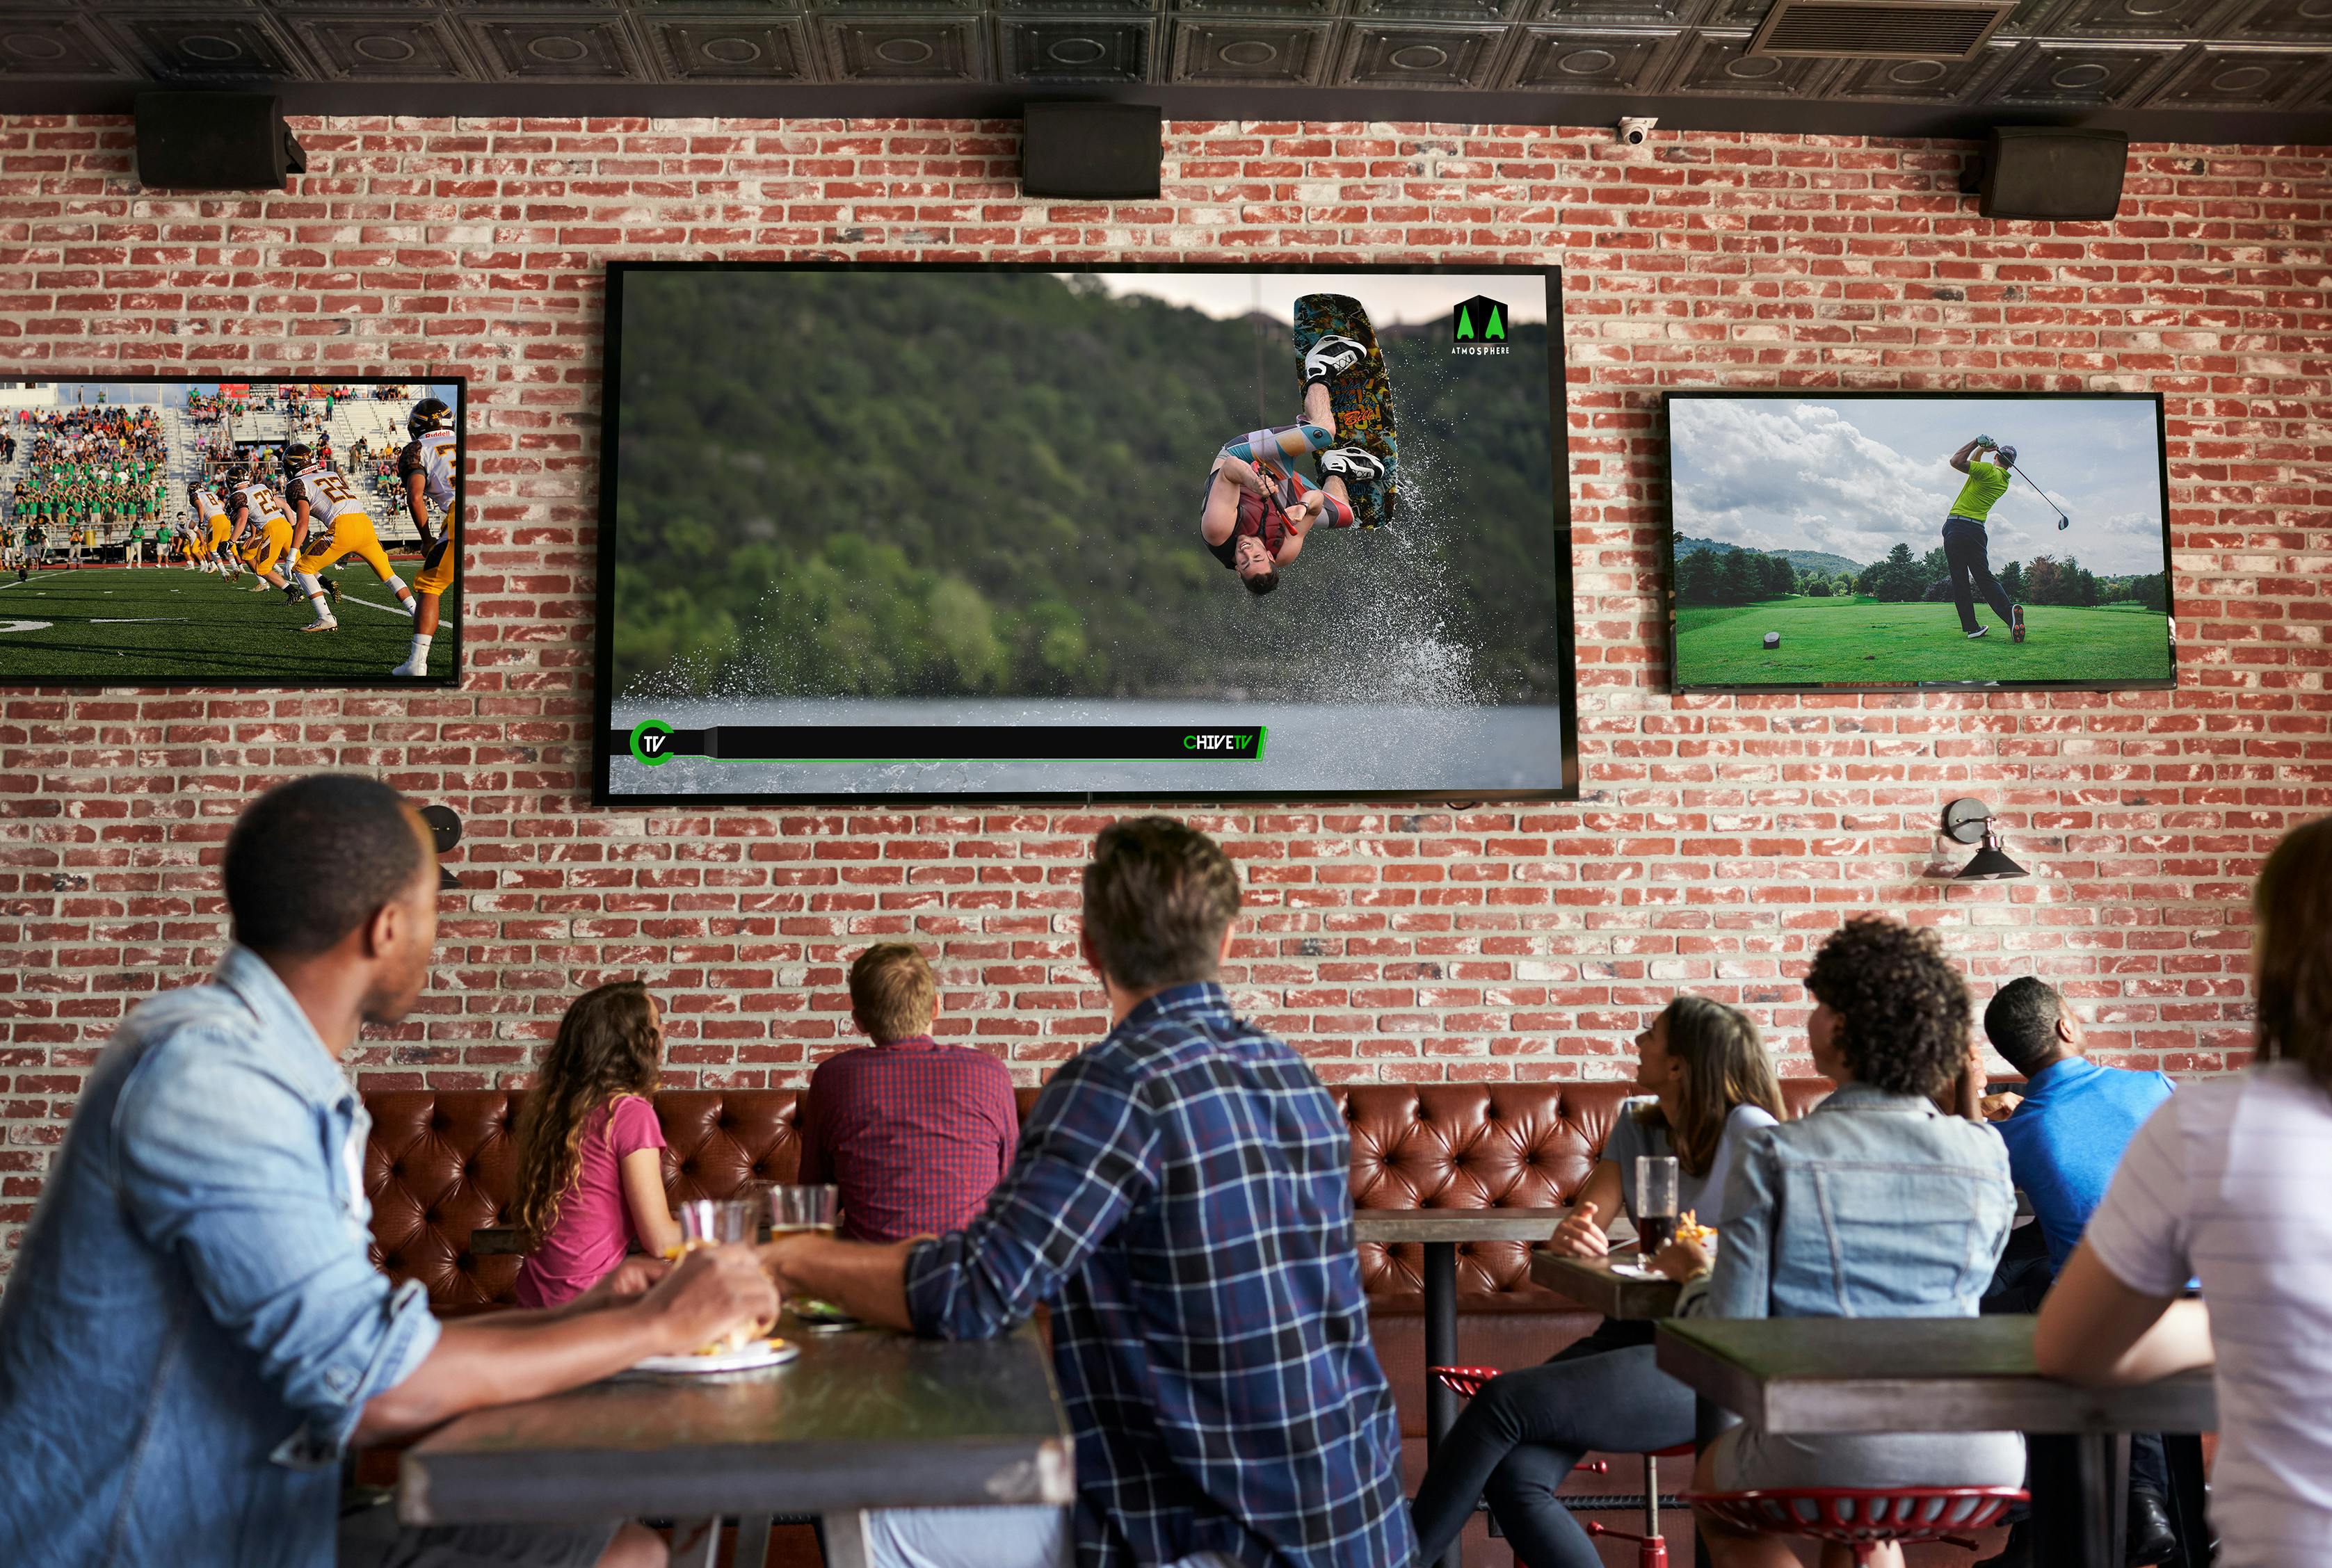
(193, 1333)
(1182, 1200)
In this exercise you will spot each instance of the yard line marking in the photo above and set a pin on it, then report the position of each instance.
(25, 625)
(131, 620)
(396, 610)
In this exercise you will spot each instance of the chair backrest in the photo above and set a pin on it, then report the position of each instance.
(441, 1163)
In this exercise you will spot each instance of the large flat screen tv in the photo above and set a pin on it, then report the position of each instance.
(1882, 541)
(152, 532)
(877, 533)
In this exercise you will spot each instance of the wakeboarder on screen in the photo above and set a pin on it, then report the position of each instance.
(1966, 548)
(1258, 505)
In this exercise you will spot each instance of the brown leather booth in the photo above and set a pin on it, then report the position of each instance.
(442, 1162)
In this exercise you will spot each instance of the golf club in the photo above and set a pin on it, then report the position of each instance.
(2062, 520)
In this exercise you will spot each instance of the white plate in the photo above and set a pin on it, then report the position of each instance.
(1636, 1271)
(762, 1353)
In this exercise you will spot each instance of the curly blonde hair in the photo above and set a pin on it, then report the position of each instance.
(608, 1045)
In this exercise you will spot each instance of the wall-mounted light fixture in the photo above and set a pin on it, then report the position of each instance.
(445, 827)
(1968, 820)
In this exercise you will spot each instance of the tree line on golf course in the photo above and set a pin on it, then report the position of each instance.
(1740, 577)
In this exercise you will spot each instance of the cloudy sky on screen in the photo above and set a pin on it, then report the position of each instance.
(1390, 297)
(1854, 475)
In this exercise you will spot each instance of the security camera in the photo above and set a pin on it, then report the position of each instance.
(1637, 129)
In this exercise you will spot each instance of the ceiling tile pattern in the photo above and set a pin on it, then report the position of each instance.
(2202, 58)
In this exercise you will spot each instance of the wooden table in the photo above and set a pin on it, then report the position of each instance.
(1590, 1282)
(1807, 1375)
(1441, 1230)
(864, 1419)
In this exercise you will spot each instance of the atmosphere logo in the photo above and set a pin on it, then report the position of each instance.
(1479, 326)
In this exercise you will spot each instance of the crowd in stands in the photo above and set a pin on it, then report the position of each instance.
(1179, 1199)
(89, 473)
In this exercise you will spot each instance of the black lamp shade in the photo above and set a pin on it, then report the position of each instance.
(1989, 865)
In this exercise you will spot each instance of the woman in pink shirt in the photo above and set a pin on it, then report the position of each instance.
(590, 1153)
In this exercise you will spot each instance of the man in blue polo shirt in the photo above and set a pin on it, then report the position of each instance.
(2065, 1139)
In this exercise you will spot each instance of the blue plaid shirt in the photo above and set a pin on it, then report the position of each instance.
(1181, 1198)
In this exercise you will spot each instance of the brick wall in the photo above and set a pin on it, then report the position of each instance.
(1720, 838)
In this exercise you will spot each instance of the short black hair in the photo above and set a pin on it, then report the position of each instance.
(1902, 1008)
(2021, 1023)
(310, 861)
(1157, 896)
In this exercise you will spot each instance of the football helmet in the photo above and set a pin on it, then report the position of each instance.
(429, 413)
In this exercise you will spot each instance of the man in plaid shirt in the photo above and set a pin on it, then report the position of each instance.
(1181, 1200)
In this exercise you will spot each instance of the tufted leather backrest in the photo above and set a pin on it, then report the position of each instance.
(441, 1163)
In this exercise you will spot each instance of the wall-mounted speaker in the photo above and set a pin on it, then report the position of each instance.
(2038, 171)
(1091, 151)
(215, 141)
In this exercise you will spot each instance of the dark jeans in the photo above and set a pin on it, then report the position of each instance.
(1968, 553)
(1515, 1442)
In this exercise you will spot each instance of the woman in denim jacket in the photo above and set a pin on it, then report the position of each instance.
(1876, 1204)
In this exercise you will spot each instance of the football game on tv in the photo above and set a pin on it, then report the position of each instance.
(172, 531)
(1875, 540)
(1015, 533)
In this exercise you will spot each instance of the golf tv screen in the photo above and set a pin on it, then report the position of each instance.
(152, 532)
(1016, 533)
(1847, 540)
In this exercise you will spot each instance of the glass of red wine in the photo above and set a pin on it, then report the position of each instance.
(1655, 1204)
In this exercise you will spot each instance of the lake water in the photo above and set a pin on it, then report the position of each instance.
(1317, 750)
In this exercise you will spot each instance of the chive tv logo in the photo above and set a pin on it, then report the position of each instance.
(1479, 326)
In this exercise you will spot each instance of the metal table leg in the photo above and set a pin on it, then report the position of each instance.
(753, 1542)
(2076, 1506)
(842, 1539)
(2189, 1513)
(1440, 1350)
(696, 1543)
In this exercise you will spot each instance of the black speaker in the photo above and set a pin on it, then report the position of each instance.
(214, 141)
(1091, 151)
(2038, 171)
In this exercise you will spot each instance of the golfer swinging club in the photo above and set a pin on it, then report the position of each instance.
(1966, 548)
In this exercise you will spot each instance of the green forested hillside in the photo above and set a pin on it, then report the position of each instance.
(927, 483)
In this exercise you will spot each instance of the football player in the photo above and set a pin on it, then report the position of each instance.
(426, 471)
(212, 529)
(265, 523)
(319, 491)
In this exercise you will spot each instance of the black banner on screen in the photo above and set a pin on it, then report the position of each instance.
(653, 742)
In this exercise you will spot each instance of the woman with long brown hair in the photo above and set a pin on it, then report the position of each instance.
(590, 1150)
(2227, 1183)
(1708, 1085)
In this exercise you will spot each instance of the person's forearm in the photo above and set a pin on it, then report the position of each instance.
(478, 1363)
(866, 1280)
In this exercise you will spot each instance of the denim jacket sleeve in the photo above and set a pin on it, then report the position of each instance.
(1084, 1161)
(226, 1166)
(1740, 1284)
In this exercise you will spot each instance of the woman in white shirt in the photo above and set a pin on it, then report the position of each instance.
(1709, 1084)
(2230, 1182)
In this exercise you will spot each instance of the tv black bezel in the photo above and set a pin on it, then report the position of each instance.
(384, 681)
(603, 643)
(1676, 685)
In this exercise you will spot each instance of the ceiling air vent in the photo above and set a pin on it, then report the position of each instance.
(1881, 29)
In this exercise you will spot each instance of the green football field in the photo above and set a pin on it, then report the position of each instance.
(1854, 641)
(140, 623)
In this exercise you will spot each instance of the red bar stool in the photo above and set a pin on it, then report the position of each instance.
(1862, 1518)
(1651, 1547)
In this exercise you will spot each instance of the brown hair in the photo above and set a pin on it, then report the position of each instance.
(1725, 1066)
(607, 1045)
(1262, 582)
(891, 991)
(2292, 955)
(1903, 1010)
(1157, 896)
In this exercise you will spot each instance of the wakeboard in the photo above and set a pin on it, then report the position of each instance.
(1362, 398)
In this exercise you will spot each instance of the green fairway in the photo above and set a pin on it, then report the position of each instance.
(1859, 641)
(135, 624)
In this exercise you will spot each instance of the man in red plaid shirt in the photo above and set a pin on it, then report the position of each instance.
(913, 1133)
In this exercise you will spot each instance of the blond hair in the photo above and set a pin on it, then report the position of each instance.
(892, 993)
